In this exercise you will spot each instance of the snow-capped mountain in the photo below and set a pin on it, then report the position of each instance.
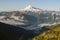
(30, 8)
(32, 15)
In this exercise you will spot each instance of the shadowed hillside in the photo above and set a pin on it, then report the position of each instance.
(9, 32)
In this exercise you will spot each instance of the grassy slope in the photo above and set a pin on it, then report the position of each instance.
(53, 34)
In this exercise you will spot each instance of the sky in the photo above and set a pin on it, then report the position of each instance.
(13, 5)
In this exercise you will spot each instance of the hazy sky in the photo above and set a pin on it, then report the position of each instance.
(10, 5)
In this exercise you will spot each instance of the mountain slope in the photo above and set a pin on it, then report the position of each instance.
(53, 34)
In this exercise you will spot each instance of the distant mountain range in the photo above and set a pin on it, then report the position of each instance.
(31, 15)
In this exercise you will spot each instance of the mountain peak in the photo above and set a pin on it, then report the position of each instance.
(30, 8)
